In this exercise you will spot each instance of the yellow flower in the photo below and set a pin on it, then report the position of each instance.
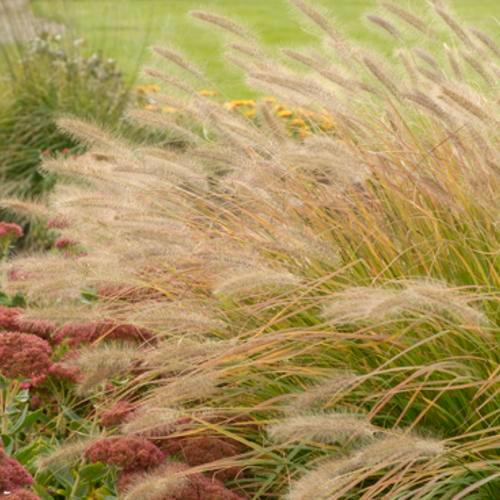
(250, 113)
(169, 109)
(151, 107)
(147, 89)
(298, 122)
(269, 99)
(284, 113)
(208, 93)
(239, 103)
(244, 103)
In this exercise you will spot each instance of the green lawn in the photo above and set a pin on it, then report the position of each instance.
(126, 27)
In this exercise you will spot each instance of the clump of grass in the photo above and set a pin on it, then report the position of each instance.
(338, 477)
(49, 77)
(377, 304)
(353, 272)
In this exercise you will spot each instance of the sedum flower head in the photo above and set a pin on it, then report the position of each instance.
(117, 414)
(63, 372)
(24, 355)
(10, 230)
(9, 317)
(12, 474)
(199, 450)
(85, 333)
(129, 452)
(64, 243)
(39, 327)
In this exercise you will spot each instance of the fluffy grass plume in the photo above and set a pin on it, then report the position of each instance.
(417, 297)
(102, 364)
(325, 428)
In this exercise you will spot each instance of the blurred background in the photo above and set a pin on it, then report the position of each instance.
(123, 29)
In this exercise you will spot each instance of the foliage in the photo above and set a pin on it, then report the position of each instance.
(28, 432)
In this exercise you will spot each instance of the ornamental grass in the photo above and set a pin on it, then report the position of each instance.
(321, 311)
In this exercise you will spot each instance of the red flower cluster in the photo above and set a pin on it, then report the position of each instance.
(11, 319)
(85, 333)
(39, 327)
(24, 355)
(13, 476)
(198, 450)
(10, 230)
(117, 414)
(127, 452)
(64, 243)
(61, 371)
(198, 487)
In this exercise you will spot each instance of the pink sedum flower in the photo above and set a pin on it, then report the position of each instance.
(64, 243)
(117, 414)
(12, 474)
(199, 450)
(64, 372)
(9, 317)
(23, 355)
(39, 327)
(10, 230)
(128, 452)
(86, 333)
